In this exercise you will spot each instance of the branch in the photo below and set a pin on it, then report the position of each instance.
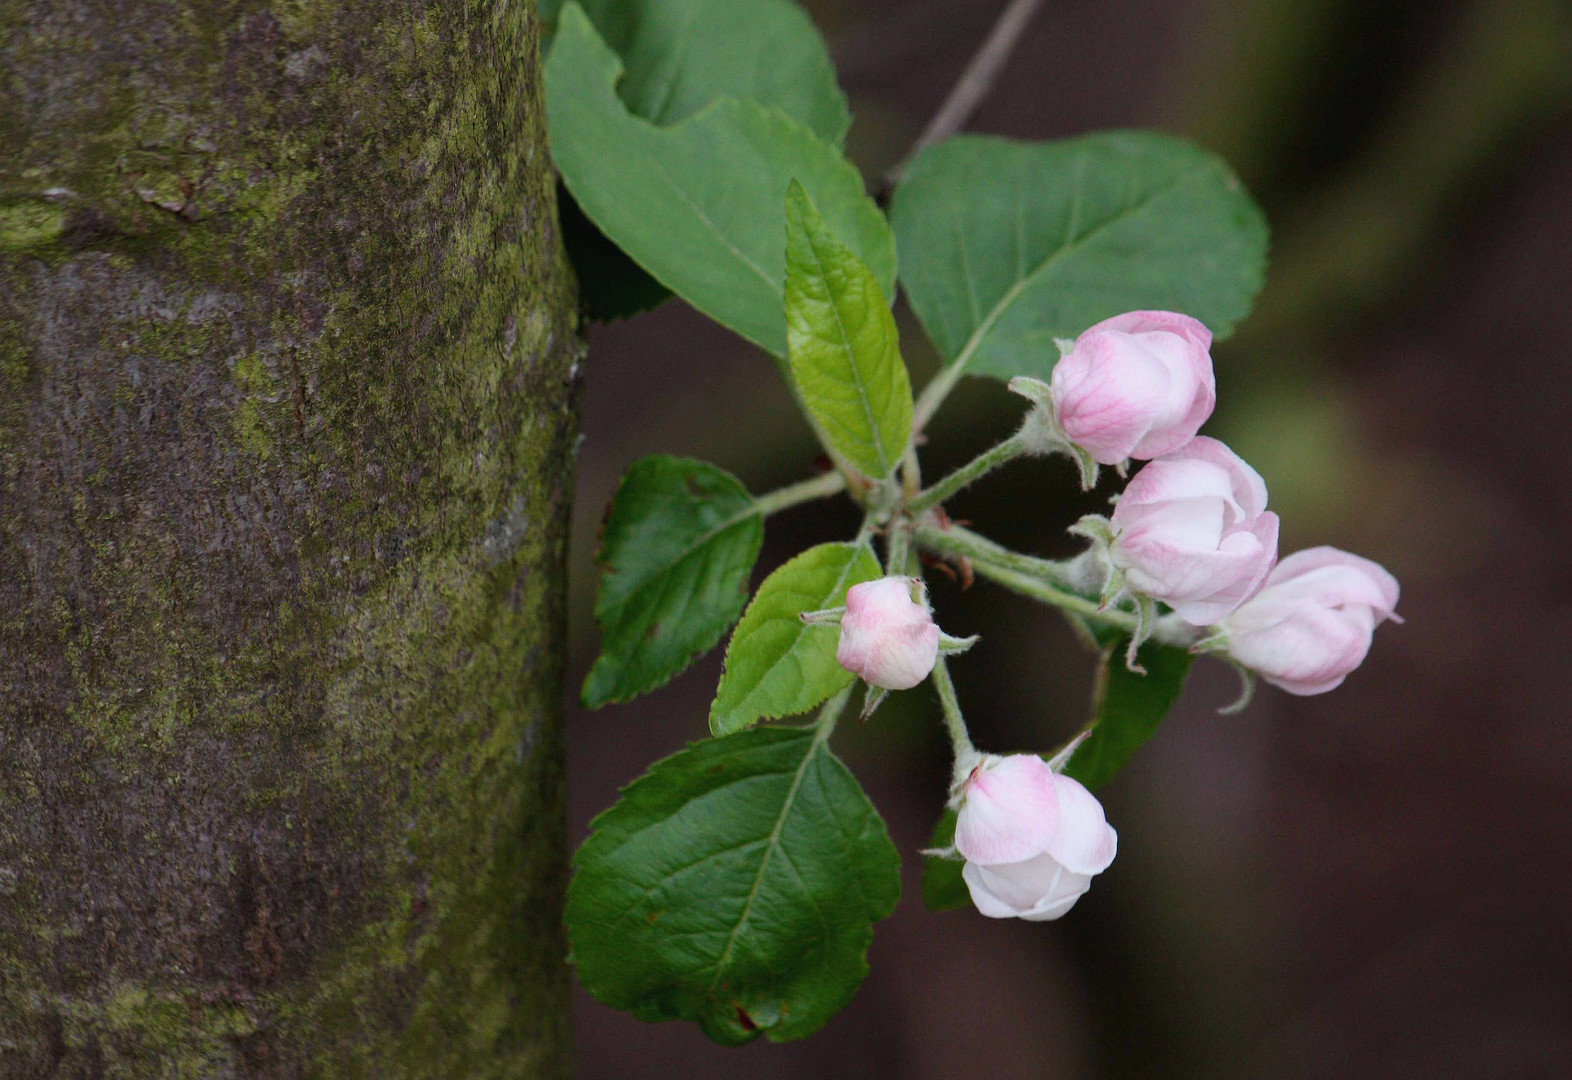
(973, 86)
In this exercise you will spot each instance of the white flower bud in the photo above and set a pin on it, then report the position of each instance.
(1032, 838)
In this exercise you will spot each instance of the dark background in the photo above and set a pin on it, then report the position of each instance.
(1373, 883)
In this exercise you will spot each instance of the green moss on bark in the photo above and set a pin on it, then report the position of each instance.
(288, 361)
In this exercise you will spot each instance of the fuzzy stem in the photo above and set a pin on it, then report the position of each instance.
(1006, 451)
(820, 487)
(898, 546)
(966, 755)
(940, 385)
(911, 472)
(1037, 589)
(866, 531)
(830, 714)
(960, 541)
(1167, 629)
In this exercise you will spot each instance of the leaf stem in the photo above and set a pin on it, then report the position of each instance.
(940, 385)
(820, 487)
(830, 714)
(974, 84)
(980, 466)
(865, 532)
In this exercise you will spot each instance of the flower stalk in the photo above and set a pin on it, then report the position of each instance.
(966, 755)
(962, 542)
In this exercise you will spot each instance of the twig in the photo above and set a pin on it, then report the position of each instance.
(973, 86)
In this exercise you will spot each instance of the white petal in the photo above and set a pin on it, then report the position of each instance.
(1084, 843)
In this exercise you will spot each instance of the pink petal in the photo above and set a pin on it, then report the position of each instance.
(1107, 390)
(1339, 577)
(1140, 322)
(1009, 810)
(1249, 490)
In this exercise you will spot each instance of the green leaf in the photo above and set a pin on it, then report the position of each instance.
(735, 884)
(943, 888)
(677, 547)
(844, 350)
(1128, 708)
(680, 55)
(776, 665)
(1006, 245)
(699, 204)
(611, 285)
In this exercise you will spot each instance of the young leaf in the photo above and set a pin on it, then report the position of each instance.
(1006, 246)
(844, 351)
(680, 55)
(678, 547)
(699, 203)
(735, 884)
(1128, 708)
(943, 887)
(776, 665)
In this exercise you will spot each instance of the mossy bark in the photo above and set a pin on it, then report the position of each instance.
(288, 365)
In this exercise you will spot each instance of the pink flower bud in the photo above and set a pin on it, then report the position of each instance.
(1192, 530)
(886, 637)
(1136, 385)
(1032, 839)
(1310, 625)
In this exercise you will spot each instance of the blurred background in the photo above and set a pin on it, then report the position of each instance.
(1371, 883)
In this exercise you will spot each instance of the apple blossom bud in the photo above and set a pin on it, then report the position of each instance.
(1192, 530)
(887, 638)
(1032, 839)
(1310, 625)
(1136, 385)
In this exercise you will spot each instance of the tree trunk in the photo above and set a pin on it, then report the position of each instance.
(287, 418)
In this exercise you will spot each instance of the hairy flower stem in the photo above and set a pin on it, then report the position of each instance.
(1037, 589)
(956, 540)
(1167, 629)
(911, 472)
(820, 487)
(966, 755)
(898, 546)
(1006, 451)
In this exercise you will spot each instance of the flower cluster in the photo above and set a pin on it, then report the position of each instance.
(1190, 531)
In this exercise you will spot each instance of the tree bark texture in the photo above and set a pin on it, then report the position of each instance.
(288, 366)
